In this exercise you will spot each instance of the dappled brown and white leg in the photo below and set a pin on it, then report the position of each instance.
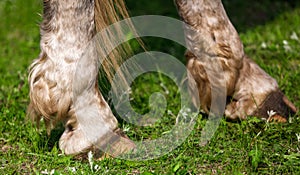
(213, 43)
(67, 29)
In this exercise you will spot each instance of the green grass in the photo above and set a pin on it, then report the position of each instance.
(246, 147)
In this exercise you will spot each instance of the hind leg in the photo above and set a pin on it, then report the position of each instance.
(213, 41)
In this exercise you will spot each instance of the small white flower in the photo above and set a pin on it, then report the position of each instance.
(286, 46)
(271, 113)
(263, 45)
(45, 171)
(52, 172)
(294, 36)
(184, 112)
(72, 169)
(96, 167)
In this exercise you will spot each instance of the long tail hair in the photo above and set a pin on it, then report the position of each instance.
(108, 12)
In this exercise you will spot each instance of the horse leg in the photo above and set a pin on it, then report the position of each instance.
(68, 27)
(214, 48)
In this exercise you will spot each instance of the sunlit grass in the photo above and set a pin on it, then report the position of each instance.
(251, 146)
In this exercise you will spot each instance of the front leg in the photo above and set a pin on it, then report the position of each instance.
(67, 29)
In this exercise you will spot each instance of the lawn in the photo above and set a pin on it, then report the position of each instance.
(271, 35)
